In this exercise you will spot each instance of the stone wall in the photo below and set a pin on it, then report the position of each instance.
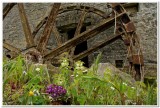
(146, 24)
(145, 21)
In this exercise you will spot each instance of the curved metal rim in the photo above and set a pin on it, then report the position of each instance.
(80, 8)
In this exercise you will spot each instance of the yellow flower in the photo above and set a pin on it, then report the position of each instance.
(31, 93)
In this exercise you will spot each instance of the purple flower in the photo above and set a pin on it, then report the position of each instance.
(54, 95)
(64, 91)
(55, 91)
(60, 87)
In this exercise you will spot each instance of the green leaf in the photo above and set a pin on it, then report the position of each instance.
(74, 92)
(81, 99)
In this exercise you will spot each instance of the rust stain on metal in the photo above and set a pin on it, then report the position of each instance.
(83, 36)
(126, 42)
(138, 59)
(129, 27)
(113, 5)
(25, 25)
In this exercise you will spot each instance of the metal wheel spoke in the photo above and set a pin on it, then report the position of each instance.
(7, 9)
(48, 27)
(57, 35)
(39, 26)
(25, 24)
(79, 26)
(107, 23)
(97, 46)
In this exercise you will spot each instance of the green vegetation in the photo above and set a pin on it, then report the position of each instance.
(25, 83)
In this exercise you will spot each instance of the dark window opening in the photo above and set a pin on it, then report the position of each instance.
(80, 47)
(119, 63)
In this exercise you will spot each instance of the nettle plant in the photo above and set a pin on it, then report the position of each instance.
(24, 84)
(85, 86)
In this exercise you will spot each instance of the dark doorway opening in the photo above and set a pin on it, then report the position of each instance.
(80, 47)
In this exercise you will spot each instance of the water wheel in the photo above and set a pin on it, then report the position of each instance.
(37, 50)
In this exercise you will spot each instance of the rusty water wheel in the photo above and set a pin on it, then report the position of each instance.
(39, 53)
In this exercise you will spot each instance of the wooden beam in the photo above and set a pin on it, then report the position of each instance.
(57, 35)
(39, 26)
(7, 9)
(79, 26)
(97, 46)
(105, 24)
(25, 25)
(48, 27)
(11, 47)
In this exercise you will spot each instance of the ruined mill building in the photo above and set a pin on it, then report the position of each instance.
(143, 15)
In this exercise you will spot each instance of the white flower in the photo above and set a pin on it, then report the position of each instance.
(124, 84)
(85, 70)
(112, 88)
(78, 65)
(137, 94)
(76, 75)
(64, 64)
(38, 69)
(60, 82)
(78, 68)
(133, 87)
(50, 98)
(36, 92)
(24, 72)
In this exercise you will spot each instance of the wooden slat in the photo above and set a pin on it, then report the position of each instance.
(48, 27)
(25, 24)
(79, 26)
(57, 35)
(11, 47)
(107, 23)
(7, 9)
(39, 26)
(97, 46)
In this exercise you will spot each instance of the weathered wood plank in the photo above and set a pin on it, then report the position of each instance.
(39, 26)
(11, 47)
(7, 9)
(105, 24)
(25, 25)
(48, 27)
(79, 26)
(57, 35)
(97, 46)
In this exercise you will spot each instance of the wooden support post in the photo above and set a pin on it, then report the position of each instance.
(7, 9)
(97, 46)
(48, 27)
(107, 23)
(25, 24)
